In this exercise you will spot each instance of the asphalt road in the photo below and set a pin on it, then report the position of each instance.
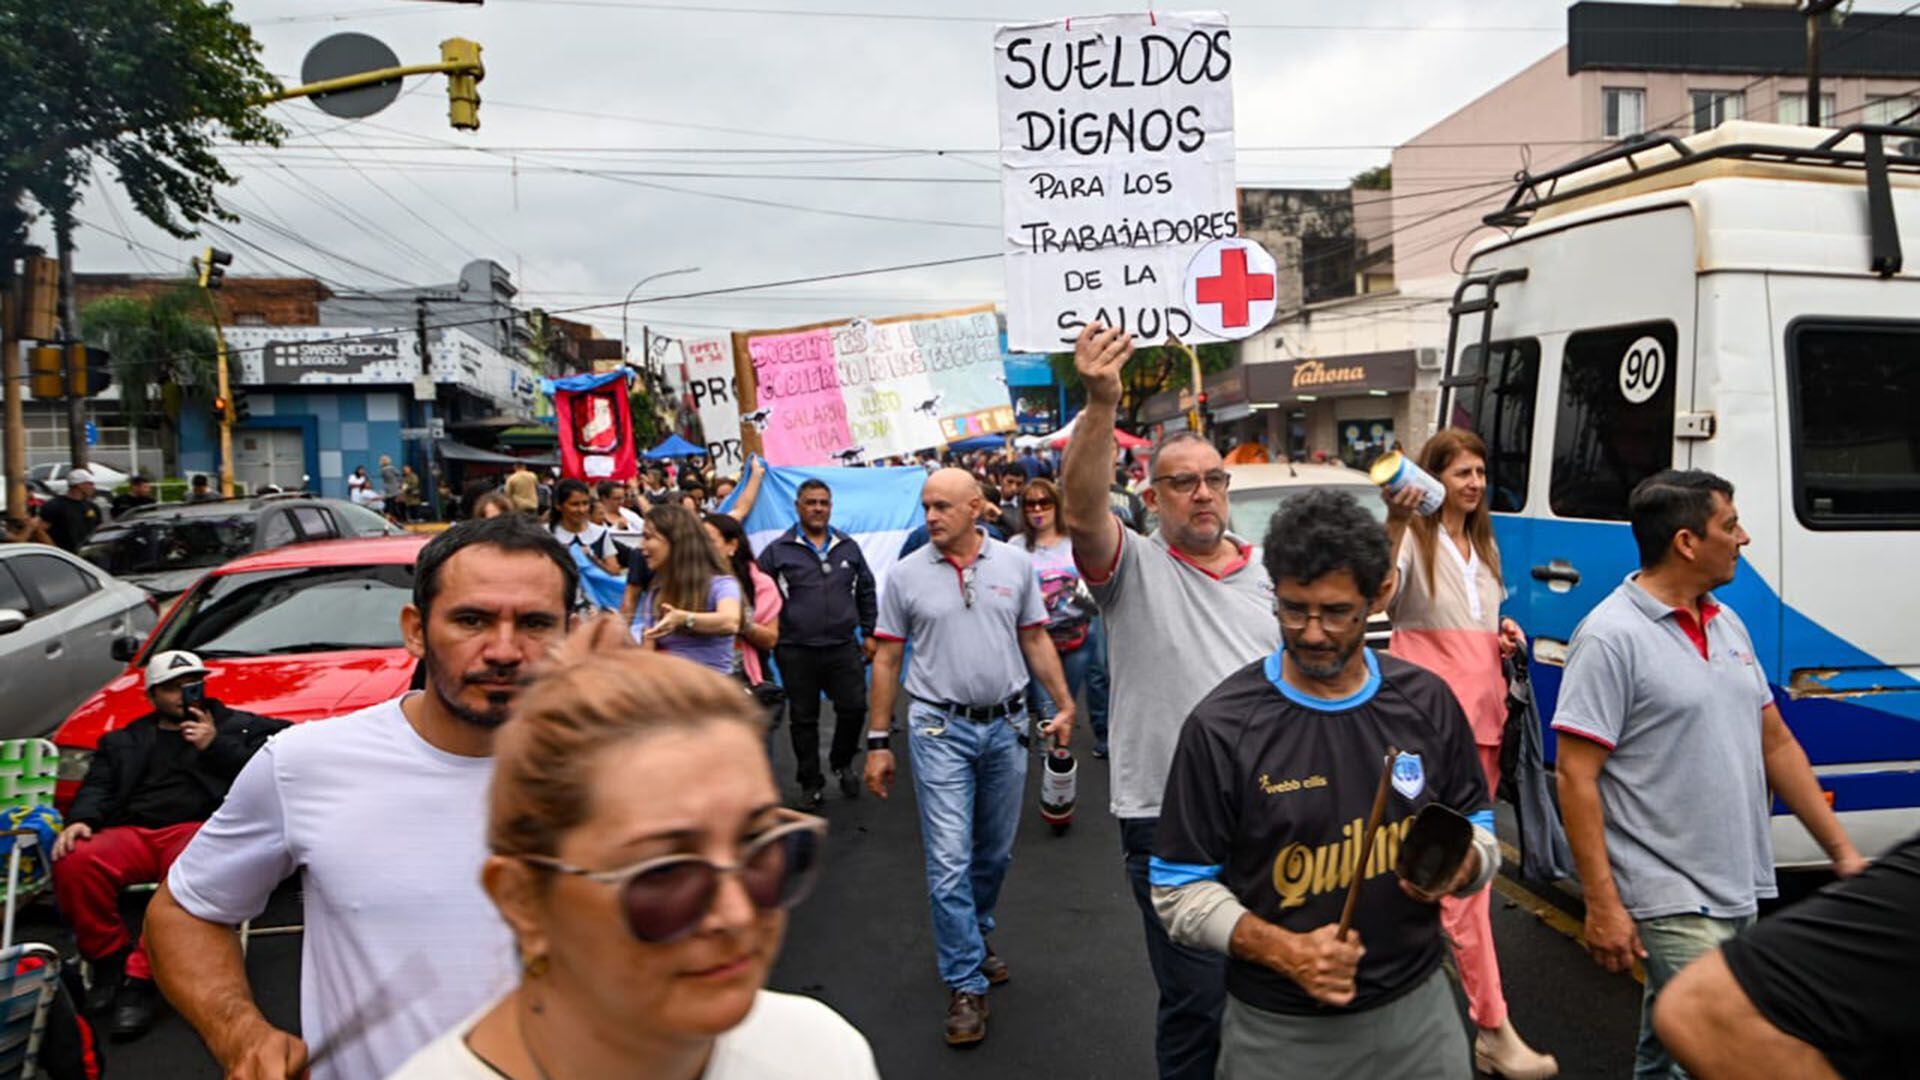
(1081, 1000)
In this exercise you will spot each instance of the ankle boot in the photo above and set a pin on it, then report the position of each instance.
(1502, 1052)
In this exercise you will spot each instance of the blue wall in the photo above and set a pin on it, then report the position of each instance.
(341, 429)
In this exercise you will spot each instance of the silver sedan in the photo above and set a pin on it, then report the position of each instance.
(62, 621)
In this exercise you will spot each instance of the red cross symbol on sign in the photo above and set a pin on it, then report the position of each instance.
(1234, 288)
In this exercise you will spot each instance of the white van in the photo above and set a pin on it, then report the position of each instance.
(1734, 302)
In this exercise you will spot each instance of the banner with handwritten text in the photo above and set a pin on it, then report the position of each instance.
(1116, 165)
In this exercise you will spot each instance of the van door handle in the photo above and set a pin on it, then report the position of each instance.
(1557, 570)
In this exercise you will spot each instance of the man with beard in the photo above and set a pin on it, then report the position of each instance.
(1184, 609)
(383, 810)
(1266, 810)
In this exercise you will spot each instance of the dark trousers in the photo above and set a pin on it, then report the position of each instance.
(839, 671)
(1193, 984)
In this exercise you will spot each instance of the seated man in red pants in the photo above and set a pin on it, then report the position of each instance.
(150, 786)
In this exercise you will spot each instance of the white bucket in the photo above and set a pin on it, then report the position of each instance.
(1396, 472)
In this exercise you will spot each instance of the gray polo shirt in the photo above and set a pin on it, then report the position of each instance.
(963, 653)
(1174, 632)
(1685, 786)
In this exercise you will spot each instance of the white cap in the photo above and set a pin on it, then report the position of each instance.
(79, 476)
(173, 664)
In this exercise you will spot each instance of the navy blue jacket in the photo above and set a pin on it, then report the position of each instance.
(823, 600)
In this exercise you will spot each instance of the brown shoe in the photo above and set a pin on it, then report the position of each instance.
(994, 968)
(966, 1018)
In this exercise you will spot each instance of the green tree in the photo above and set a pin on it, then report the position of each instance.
(1378, 178)
(163, 348)
(1154, 369)
(150, 86)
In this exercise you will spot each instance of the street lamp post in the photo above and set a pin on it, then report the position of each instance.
(624, 350)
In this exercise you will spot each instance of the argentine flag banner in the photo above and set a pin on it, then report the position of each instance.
(878, 507)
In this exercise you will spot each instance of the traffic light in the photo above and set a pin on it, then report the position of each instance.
(44, 368)
(211, 266)
(463, 84)
(241, 413)
(219, 409)
(93, 372)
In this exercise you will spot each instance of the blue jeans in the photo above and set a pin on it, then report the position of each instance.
(1672, 942)
(968, 778)
(1085, 667)
(1193, 982)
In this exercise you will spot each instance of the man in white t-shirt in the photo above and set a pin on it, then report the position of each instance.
(385, 810)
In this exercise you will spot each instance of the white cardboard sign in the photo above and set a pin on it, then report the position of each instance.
(1116, 166)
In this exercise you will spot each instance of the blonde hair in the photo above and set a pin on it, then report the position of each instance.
(576, 711)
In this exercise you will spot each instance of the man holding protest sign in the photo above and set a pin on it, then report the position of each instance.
(1184, 608)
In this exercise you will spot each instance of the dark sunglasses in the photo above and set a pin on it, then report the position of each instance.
(665, 899)
(1037, 504)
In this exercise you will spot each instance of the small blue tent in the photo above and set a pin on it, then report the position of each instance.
(672, 447)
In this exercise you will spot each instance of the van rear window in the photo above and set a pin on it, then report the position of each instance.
(1494, 399)
(1856, 423)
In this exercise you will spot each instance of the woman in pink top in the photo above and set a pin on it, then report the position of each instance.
(760, 630)
(1445, 604)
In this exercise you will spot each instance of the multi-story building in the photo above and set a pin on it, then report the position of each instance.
(1371, 362)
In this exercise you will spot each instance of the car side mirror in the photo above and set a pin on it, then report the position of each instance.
(125, 648)
(11, 620)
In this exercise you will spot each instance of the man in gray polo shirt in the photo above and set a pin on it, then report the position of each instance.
(1184, 608)
(971, 606)
(1668, 743)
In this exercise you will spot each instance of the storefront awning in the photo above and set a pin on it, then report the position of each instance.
(1285, 381)
(459, 451)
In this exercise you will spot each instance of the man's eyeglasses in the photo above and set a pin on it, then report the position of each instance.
(1333, 621)
(665, 899)
(1185, 483)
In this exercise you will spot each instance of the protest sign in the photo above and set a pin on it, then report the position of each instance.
(860, 391)
(1116, 165)
(709, 383)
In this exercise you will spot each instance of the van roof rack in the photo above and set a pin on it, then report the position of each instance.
(1643, 160)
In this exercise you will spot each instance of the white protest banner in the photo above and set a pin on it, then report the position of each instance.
(838, 393)
(1116, 165)
(709, 382)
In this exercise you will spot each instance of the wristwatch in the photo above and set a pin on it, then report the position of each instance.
(688, 621)
(880, 741)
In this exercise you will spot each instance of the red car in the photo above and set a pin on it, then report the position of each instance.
(299, 632)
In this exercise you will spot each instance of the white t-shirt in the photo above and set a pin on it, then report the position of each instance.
(784, 1037)
(400, 940)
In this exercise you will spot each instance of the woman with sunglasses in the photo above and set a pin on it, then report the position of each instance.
(1072, 620)
(643, 861)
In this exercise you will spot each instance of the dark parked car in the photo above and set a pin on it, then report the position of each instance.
(166, 548)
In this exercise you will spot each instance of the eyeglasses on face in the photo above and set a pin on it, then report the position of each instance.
(1042, 503)
(664, 899)
(1185, 483)
(1338, 620)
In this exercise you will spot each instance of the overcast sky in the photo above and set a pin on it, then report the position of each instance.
(640, 90)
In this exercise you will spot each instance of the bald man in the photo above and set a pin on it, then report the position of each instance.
(971, 605)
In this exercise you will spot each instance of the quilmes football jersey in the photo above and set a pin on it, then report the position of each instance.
(1270, 794)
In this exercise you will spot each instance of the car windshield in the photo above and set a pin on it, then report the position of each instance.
(312, 609)
(146, 546)
(1253, 507)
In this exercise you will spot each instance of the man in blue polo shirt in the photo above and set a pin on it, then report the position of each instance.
(971, 605)
(1669, 743)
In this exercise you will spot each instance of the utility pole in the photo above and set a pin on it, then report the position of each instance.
(1815, 11)
(210, 270)
(430, 477)
(11, 376)
(71, 360)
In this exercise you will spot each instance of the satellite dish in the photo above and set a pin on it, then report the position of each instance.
(350, 54)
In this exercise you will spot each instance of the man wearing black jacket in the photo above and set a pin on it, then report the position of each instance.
(828, 593)
(148, 789)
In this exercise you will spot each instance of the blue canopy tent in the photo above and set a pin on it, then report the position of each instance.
(673, 446)
(978, 442)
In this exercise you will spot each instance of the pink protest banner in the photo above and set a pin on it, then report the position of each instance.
(799, 410)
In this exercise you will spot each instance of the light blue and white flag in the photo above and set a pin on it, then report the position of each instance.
(878, 507)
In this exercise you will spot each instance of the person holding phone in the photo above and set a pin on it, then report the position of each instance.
(148, 789)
